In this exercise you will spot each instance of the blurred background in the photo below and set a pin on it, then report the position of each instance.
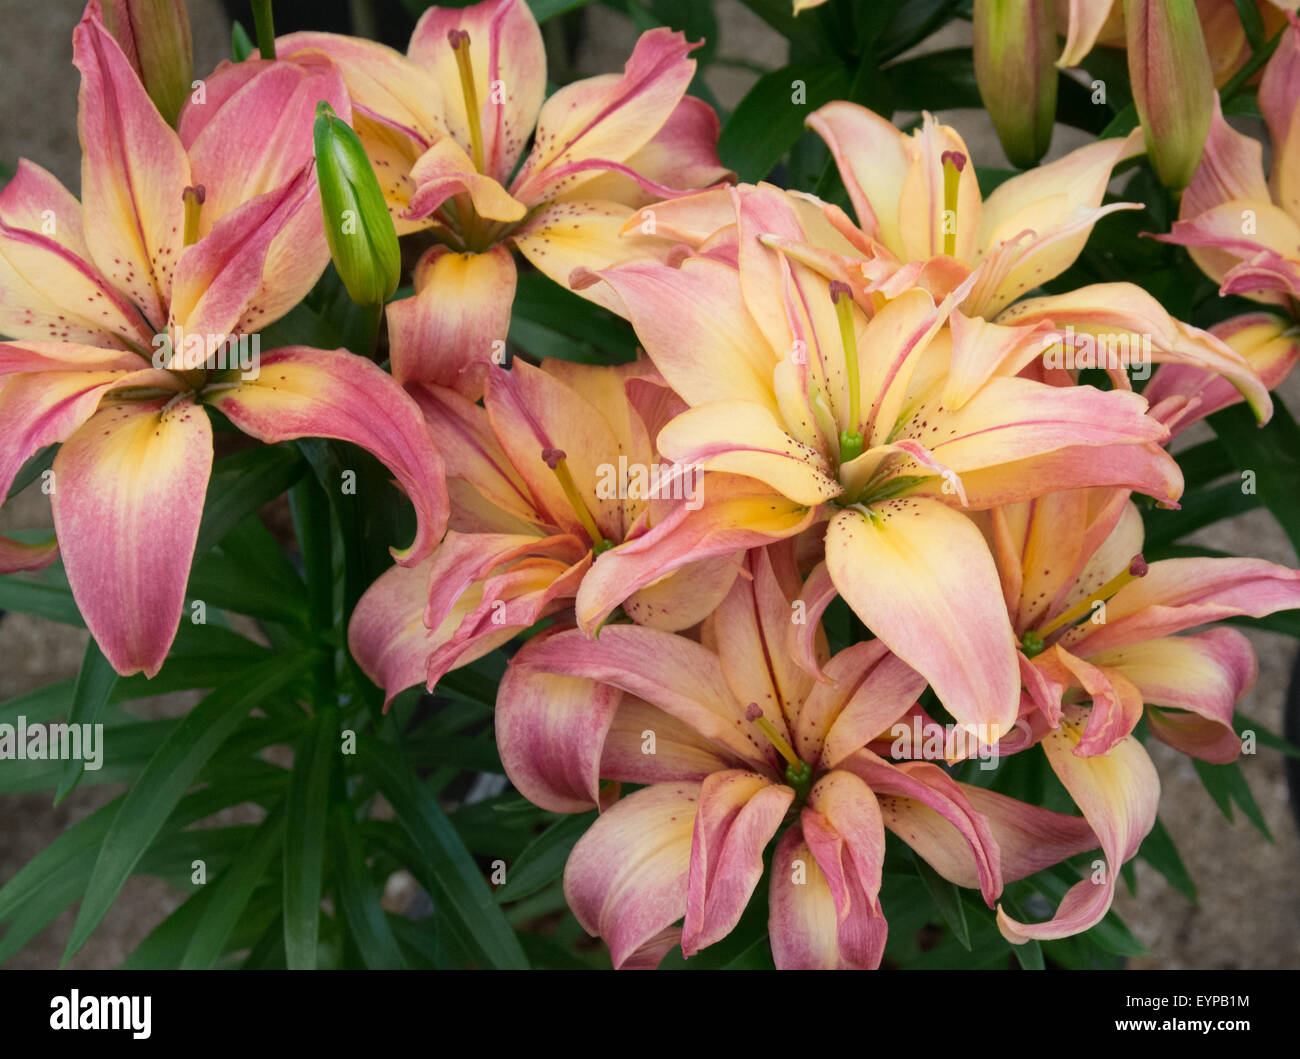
(1248, 910)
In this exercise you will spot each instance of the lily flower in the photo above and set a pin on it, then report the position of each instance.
(556, 466)
(445, 126)
(738, 745)
(1096, 622)
(1097, 627)
(916, 198)
(1242, 229)
(888, 427)
(1182, 394)
(123, 306)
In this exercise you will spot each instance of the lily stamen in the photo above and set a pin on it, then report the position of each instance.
(555, 460)
(1137, 568)
(798, 773)
(851, 442)
(193, 197)
(953, 163)
(459, 41)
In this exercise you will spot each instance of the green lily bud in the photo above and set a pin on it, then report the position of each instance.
(155, 36)
(1015, 67)
(1173, 84)
(360, 232)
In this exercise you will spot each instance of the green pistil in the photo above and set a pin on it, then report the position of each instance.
(1032, 644)
(800, 777)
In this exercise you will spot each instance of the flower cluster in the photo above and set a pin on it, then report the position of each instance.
(880, 413)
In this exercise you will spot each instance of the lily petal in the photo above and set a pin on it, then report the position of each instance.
(737, 513)
(920, 575)
(802, 923)
(133, 172)
(626, 879)
(459, 316)
(550, 730)
(1206, 674)
(1118, 793)
(738, 814)
(607, 118)
(49, 288)
(304, 392)
(509, 62)
(131, 484)
(1178, 594)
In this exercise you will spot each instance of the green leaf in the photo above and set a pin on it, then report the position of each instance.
(229, 895)
(947, 897)
(360, 898)
(53, 602)
(544, 10)
(169, 773)
(90, 696)
(1244, 724)
(457, 887)
(241, 44)
(1227, 784)
(242, 483)
(304, 847)
(1159, 851)
(1273, 453)
(947, 75)
(1251, 22)
(35, 466)
(542, 861)
(767, 122)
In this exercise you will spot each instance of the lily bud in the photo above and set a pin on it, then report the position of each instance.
(1173, 84)
(155, 37)
(1015, 67)
(358, 228)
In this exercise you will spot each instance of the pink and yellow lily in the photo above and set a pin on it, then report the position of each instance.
(121, 306)
(889, 427)
(445, 126)
(557, 465)
(1097, 648)
(736, 745)
(1096, 622)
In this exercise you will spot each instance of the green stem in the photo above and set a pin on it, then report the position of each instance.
(311, 522)
(264, 26)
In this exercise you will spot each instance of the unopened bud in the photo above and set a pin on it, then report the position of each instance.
(362, 240)
(1015, 67)
(155, 37)
(1173, 84)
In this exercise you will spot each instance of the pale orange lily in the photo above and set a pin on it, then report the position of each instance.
(744, 743)
(1181, 394)
(209, 233)
(445, 126)
(1096, 625)
(1096, 622)
(1242, 229)
(557, 465)
(886, 426)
